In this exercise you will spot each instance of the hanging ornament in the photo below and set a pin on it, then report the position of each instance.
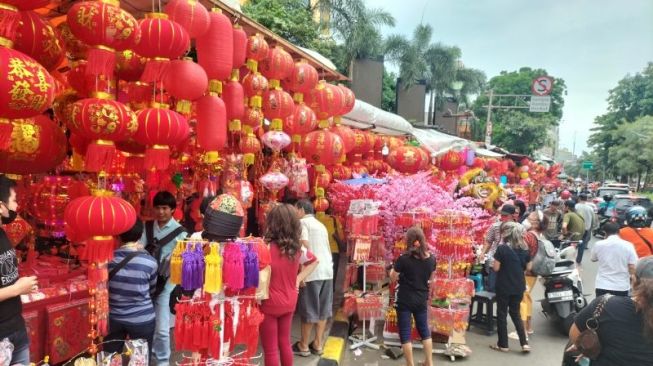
(186, 81)
(130, 65)
(211, 129)
(10, 18)
(274, 181)
(257, 51)
(321, 204)
(406, 159)
(347, 135)
(325, 99)
(277, 66)
(240, 47)
(250, 146)
(75, 49)
(233, 95)
(302, 79)
(37, 38)
(159, 128)
(191, 15)
(301, 122)
(215, 50)
(322, 147)
(276, 140)
(255, 85)
(340, 172)
(35, 146)
(162, 40)
(277, 106)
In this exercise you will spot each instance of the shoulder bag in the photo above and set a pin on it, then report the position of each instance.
(122, 264)
(588, 342)
(650, 247)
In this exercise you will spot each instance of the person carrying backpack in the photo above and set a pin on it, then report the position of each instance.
(160, 238)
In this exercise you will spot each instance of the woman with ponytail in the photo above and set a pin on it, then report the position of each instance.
(625, 326)
(413, 270)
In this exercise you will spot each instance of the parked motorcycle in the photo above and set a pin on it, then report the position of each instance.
(563, 289)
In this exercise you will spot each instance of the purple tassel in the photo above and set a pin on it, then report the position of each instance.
(192, 274)
(251, 268)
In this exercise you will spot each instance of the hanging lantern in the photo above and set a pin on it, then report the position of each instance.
(321, 204)
(240, 47)
(211, 126)
(215, 49)
(348, 100)
(139, 94)
(105, 27)
(159, 128)
(361, 143)
(233, 95)
(26, 89)
(76, 77)
(325, 99)
(301, 122)
(162, 40)
(322, 147)
(103, 121)
(347, 135)
(257, 51)
(130, 65)
(37, 38)
(35, 146)
(322, 178)
(186, 81)
(253, 117)
(249, 147)
(254, 85)
(74, 48)
(277, 66)
(302, 79)
(277, 106)
(340, 172)
(274, 181)
(406, 159)
(191, 15)
(451, 161)
(10, 18)
(276, 140)
(99, 218)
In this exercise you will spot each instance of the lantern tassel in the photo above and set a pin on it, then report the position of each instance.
(6, 128)
(101, 61)
(99, 155)
(100, 248)
(155, 69)
(9, 20)
(135, 163)
(157, 157)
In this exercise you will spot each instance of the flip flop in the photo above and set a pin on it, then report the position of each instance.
(315, 351)
(298, 351)
(494, 347)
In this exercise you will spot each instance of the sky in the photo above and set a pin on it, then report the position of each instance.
(591, 44)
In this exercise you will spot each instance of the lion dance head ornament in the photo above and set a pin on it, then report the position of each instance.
(477, 184)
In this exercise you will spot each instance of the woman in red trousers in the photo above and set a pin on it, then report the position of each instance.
(287, 256)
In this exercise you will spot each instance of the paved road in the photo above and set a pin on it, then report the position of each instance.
(547, 342)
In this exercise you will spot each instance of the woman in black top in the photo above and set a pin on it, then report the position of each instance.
(626, 323)
(511, 260)
(413, 270)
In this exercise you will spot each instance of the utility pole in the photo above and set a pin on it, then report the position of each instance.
(488, 121)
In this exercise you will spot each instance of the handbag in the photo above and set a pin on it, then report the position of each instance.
(588, 342)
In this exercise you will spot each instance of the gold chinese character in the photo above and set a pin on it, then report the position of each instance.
(20, 92)
(17, 68)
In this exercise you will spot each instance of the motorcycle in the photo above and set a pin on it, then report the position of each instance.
(563, 289)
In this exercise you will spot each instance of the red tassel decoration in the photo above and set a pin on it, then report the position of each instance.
(99, 155)
(155, 69)
(6, 127)
(101, 61)
(157, 157)
(9, 18)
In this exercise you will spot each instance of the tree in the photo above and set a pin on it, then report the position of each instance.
(521, 132)
(442, 62)
(389, 102)
(410, 55)
(633, 156)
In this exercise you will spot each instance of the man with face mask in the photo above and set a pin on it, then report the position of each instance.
(12, 324)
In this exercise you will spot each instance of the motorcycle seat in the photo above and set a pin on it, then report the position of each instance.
(565, 263)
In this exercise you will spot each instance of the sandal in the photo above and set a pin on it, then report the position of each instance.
(525, 348)
(299, 352)
(314, 350)
(494, 347)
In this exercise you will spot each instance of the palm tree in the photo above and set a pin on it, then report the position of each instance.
(410, 55)
(473, 82)
(443, 64)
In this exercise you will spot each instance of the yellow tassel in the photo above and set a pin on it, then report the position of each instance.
(213, 273)
(183, 107)
(235, 125)
(276, 124)
(256, 102)
(176, 263)
(252, 65)
(248, 159)
(215, 86)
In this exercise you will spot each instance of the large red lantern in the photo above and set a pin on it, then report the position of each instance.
(190, 14)
(160, 128)
(257, 51)
(26, 89)
(406, 159)
(233, 95)
(277, 66)
(302, 78)
(215, 48)
(103, 121)
(107, 28)
(325, 99)
(240, 47)
(130, 65)
(211, 126)
(255, 85)
(322, 147)
(10, 18)
(277, 106)
(35, 146)
(451, 160)
(340, 172)
(75, 49)
(348, 100)
(302, 122)
(362, 143)
(347, 135)
(37, 38)
(186, 81)
(98, 219)
(162, 40)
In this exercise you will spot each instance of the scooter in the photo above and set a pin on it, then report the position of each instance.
(563, 289)
(598, 232)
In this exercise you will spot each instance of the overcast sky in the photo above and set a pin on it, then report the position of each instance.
(591, 44)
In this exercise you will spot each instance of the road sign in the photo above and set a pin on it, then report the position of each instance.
(588, 165)
(540, 104)
(542, 85)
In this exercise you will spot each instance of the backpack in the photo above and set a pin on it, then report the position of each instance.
(153, 246)
(545, 260)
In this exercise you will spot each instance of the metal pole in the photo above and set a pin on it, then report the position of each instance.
(488, 122)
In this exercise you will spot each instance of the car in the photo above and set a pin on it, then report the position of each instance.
(622, 202)
(609, 191)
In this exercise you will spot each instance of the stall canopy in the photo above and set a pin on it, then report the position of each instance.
(368, 117)
(438, 143)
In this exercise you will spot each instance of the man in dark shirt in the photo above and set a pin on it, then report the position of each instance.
(12, 324)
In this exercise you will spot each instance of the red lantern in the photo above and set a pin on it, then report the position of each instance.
(301, 122)
(253, 117)
(255, 85)
(99, 218)
(233, 95)
(161, 40)
(277, 106)
(362, 143)
(257, 51)
(103, 121)
(321, 179)
(10, 18)
(322, 147)
(211, 126)
(451, 160)
(240, 47)
(303, 78)
(130, 65)
(190, 14)
(37, 38)
(215, 48)
(74, 48)
(325, 99)
(347, 135)
(35, 146)
(250, 146)
(321, 204)
(107, 28)
(159, 128)
(76, 77)
(340, 172)
(186, 81)
(277, 66)
(406, 159)
(348, 100)
(26, 4)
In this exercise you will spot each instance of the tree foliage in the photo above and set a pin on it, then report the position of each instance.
(290, 19)
(634, 154)
(389, 101)
(410, 55)
(522, 133)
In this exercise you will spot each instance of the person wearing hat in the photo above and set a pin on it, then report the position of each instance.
(625, 324)
(573, 228)
(222, 218)
(493, 239)
(638, 232)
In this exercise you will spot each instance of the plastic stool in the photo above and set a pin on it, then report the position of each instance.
(484, 316)
(478, 281)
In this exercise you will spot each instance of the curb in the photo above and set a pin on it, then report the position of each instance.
(336, 342)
